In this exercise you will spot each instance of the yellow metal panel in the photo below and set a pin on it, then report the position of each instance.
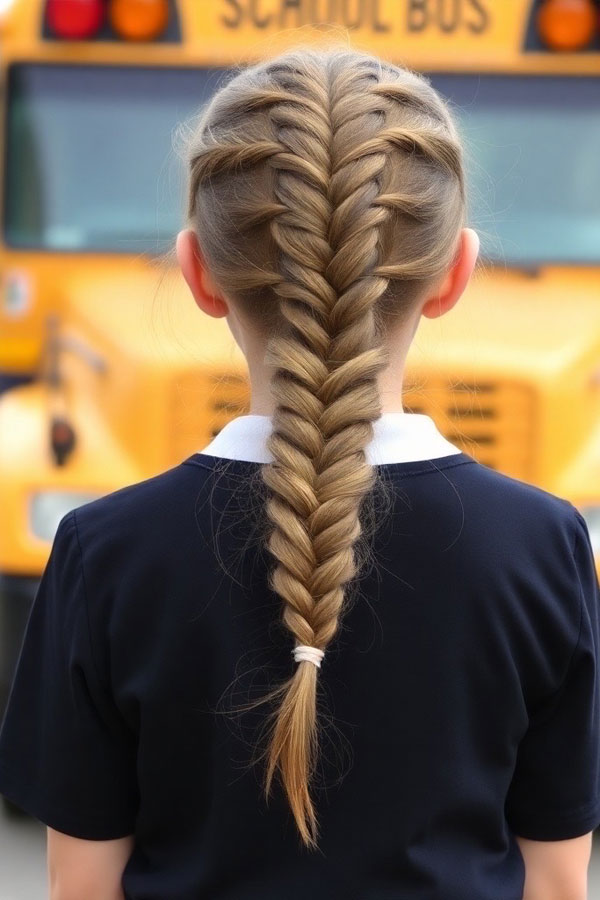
(480, 35)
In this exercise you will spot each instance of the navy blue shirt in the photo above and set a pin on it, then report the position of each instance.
(460, 698)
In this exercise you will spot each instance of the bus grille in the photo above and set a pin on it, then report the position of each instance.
(202, 403)
(492, 421)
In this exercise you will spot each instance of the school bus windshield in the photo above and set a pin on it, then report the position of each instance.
(532, 143)
(90, 164)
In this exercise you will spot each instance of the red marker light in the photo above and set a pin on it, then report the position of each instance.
(139, 20)
(567, 24)
(75, 19)
(62, 439)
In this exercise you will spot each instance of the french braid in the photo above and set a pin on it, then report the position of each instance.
(327, 192)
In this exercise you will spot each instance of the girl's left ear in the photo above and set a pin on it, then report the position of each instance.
(457, 276)
(193, 268)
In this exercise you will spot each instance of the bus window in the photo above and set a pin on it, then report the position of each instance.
(534, 145)
(534, 142)
(84, 146)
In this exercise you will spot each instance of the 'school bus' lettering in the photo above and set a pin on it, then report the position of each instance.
(375, 16)
(432, 35)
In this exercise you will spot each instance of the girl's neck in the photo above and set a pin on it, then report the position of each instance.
(390, 384)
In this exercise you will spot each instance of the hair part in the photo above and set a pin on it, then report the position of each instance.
(326, 189)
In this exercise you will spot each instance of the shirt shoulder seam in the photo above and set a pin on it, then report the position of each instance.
(85, 602)
(559, 690)
(579, 586)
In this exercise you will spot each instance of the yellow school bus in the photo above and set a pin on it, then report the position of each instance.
(110, 373)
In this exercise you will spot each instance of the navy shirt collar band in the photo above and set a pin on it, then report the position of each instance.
(398, 437)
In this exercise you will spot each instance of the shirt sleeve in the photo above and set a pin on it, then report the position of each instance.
(555, 789)
(66, 755)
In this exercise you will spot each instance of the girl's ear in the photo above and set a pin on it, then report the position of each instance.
(457, 276)
(193, 267)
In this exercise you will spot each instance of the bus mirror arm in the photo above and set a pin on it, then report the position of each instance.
(57, 343)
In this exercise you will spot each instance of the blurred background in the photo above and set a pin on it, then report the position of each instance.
(108, 373)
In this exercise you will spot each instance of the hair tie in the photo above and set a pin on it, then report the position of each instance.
(309, 654)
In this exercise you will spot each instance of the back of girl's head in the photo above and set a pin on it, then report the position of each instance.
(326, 189)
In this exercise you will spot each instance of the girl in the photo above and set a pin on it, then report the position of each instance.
(330, 653)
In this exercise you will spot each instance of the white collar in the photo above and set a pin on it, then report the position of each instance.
(398, 437)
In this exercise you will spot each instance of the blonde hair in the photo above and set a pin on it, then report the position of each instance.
(326, 189)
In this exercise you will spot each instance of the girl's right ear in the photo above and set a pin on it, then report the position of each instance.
(193, 268)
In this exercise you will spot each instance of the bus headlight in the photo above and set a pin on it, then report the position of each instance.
(591, 514)
(48, 507)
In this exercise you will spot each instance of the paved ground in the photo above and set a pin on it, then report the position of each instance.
(22, 858)
(23, 861)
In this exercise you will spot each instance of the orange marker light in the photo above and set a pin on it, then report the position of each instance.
(75, 19)
(567, 24)
(139, 20)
